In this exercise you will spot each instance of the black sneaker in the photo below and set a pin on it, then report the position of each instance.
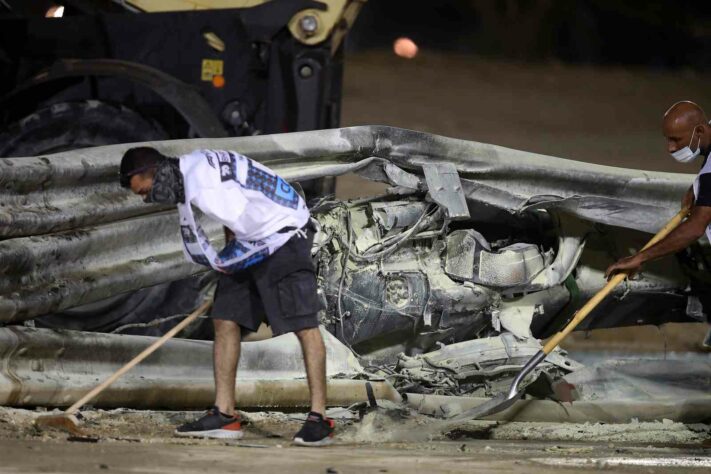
(213, 425)
(317, 431)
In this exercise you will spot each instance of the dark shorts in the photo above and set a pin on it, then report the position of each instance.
(280, 291)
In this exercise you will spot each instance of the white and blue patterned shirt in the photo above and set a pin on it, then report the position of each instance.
(243, 195)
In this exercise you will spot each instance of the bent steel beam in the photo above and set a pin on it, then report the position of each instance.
(688, 410)
(101, 240)
(43, 367)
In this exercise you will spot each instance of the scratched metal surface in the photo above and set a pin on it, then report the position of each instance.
(73, 236)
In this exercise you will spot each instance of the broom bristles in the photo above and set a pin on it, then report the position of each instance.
(66, 422)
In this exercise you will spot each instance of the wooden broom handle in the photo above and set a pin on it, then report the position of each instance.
(614, 281)
(146, 352)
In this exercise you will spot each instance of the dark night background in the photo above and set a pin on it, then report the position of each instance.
(661, 34)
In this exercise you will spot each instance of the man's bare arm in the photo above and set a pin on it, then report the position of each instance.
(688, 199)
(680, 238)
(686, 234)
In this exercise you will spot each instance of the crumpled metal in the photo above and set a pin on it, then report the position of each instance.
(73, 236)
(43, 367)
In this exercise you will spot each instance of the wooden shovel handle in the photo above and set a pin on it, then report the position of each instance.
(146, 352)
(614, 281)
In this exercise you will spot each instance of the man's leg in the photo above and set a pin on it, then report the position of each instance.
(315, 360)
(220, 422)
(225, 358)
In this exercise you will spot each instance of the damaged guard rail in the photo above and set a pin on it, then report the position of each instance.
(42, 367)
(72, 236)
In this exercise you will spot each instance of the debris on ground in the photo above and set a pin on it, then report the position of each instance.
(391, 424)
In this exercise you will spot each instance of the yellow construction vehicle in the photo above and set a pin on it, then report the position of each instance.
(77, 73)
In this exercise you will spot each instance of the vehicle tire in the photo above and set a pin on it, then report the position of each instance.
(72, 125)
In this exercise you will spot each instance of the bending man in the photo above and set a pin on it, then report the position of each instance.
(266, 268)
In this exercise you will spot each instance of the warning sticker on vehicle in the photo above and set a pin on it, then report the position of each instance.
(211, 68)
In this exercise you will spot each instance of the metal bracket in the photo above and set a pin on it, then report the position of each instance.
(446, 189)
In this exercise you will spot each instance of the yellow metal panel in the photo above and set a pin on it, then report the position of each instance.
(310, 26)
(325, 21)
(350, 13)
(153, 6)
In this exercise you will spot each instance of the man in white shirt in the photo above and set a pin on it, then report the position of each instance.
(266, 269)
(688, 135)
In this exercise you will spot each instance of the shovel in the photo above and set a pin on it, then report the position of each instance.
(504, 401)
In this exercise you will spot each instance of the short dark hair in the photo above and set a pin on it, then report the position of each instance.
(138, 160)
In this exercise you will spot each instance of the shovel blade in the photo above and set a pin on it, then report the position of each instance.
(495, 405)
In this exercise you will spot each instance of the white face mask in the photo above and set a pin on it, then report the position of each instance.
(685, 155)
